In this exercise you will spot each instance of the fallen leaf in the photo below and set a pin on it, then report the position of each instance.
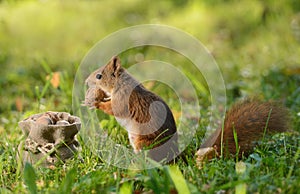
(19, 104)
(55, 79)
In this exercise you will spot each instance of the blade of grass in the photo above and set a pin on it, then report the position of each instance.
(69, 180)
(126, 188)
(30, 178)
(178, 179)
(267, 123)
(46, 66)
(293, 165)
(236, 144)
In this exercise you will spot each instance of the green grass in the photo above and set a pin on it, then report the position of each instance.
(255, 43)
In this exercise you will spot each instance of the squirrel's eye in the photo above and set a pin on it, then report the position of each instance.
(98, 76)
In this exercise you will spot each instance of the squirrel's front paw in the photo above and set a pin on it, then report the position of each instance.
(104, 106)
(95, 96)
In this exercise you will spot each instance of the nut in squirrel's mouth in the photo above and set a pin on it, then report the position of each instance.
(107, 96)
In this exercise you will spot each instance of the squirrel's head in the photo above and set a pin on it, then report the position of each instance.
(107, 76)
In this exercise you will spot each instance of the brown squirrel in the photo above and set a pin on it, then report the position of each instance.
(150, 123)
(147, 118)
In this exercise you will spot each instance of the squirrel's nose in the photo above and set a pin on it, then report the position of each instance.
(98, 76)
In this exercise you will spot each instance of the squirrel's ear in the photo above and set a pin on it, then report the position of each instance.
(115, 64)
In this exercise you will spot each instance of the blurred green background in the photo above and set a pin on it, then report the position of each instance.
(247, 38)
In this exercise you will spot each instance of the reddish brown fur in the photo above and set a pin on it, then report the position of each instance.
(105, 107)
(250, 119)
(130, 104)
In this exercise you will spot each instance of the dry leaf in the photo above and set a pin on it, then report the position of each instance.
(55, 80)
(19, 104)
(205, 154)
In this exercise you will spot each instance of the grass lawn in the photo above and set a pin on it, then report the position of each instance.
(256, 44)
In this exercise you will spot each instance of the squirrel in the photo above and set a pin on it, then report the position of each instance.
(150, 123)
(146, 117)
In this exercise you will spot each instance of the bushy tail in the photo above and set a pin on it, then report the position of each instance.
(250, 120)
